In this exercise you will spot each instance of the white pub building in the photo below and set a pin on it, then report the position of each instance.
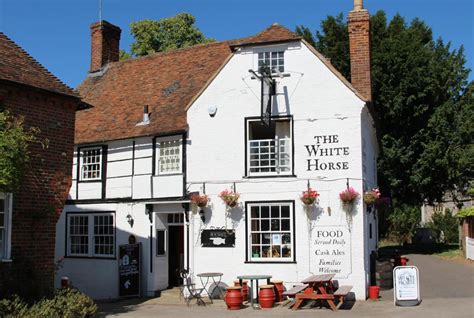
(206, 119)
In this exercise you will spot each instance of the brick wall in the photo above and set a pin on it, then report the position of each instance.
(39, 201)
(359, 42)
(105, 38)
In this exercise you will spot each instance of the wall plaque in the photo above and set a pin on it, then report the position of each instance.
(218, 238)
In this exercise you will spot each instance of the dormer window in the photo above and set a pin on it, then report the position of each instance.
(274, 60)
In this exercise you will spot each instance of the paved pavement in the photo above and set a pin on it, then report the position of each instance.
(447, 290)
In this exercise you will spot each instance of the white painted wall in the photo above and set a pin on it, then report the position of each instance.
(321, 105)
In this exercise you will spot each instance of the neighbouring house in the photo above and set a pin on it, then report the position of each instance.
(169, 125)
(28, 216)
(449, 202)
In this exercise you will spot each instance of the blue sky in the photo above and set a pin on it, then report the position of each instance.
(56, 32)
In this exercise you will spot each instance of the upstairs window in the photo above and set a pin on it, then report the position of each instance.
(5, 225)
(274, 60)
(91, 164)
(269, 149)
(169, 155)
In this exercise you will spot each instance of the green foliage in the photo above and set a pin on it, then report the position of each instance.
(14, 154)
(65, 303)
(465, 212)
(404, 220)
(419, 84)
(445, 227)
(123, 55)
(165, 34)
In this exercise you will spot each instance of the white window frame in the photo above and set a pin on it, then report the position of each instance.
(270, 52)
(291, 232)
(82, 164)
(279, 144)
(5, 239)
(158, 142)
(90, 235)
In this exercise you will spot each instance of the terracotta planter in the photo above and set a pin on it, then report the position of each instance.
(245, 289)
(279, 289)
(233, 298)
(266, 296)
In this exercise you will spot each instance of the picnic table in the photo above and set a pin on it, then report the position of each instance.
(253, 278)
(319, 287)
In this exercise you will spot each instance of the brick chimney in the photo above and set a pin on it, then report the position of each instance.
(105, 40)
(359, 43)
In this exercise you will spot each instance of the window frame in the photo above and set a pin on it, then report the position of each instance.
(276, 174)
(270, 51)
(156, 148)
(5, 247)
(90, 234)
(248, 233)
(165, 247)
(103, 159)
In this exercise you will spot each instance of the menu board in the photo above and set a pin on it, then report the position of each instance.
(129, 270)
(406, 284)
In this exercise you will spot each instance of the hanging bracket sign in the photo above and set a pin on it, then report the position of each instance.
(406, 282)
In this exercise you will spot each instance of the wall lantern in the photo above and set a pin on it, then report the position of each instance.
(212, 110)
(130, 220)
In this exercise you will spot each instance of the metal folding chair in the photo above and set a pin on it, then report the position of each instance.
(188, 290)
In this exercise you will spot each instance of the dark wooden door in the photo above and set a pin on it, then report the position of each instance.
(175, 253)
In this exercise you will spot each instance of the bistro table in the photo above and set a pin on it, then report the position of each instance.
(211, 276)
(252, 278)
(320, 287)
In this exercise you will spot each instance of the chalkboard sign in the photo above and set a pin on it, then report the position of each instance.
(218, 238)
(129, 270)
(406, 282)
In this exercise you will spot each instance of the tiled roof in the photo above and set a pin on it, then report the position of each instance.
(167, 82)
(18, 66)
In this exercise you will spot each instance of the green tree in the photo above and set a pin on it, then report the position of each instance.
(424, 105)
(14, 154)
(445, 227)
(165, 34)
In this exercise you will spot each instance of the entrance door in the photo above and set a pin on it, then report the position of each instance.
(175, 253)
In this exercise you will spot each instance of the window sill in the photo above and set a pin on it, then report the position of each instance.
(271, 176)
(270, 262)
(92, 257)
(168, 174)
(7, 260)
(90, 181)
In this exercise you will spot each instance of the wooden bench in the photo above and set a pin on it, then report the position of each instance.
(295, 290)
(341, 293)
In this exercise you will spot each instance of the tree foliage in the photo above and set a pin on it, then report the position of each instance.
(423, 100)
(14, 154)
(445, 227)
(165, 34)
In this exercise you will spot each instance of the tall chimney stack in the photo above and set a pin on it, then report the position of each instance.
(359, 43)
(105, 40)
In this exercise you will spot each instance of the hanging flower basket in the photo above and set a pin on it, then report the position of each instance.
(371, 197)
(348, 197)
(230, 198)
(200, 200)
(309, 197)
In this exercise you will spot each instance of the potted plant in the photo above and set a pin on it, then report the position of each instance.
(371, 197)
(200, 200)
(229, 197)
(309, 197)
(348, 197)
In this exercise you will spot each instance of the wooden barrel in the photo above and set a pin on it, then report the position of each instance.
(279, 289)
(384, 274)
(233, 297)
(245, 289)
(266, 296)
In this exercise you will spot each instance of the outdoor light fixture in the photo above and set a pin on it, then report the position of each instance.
(130, 220)
(212, 110)
(202, 214)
